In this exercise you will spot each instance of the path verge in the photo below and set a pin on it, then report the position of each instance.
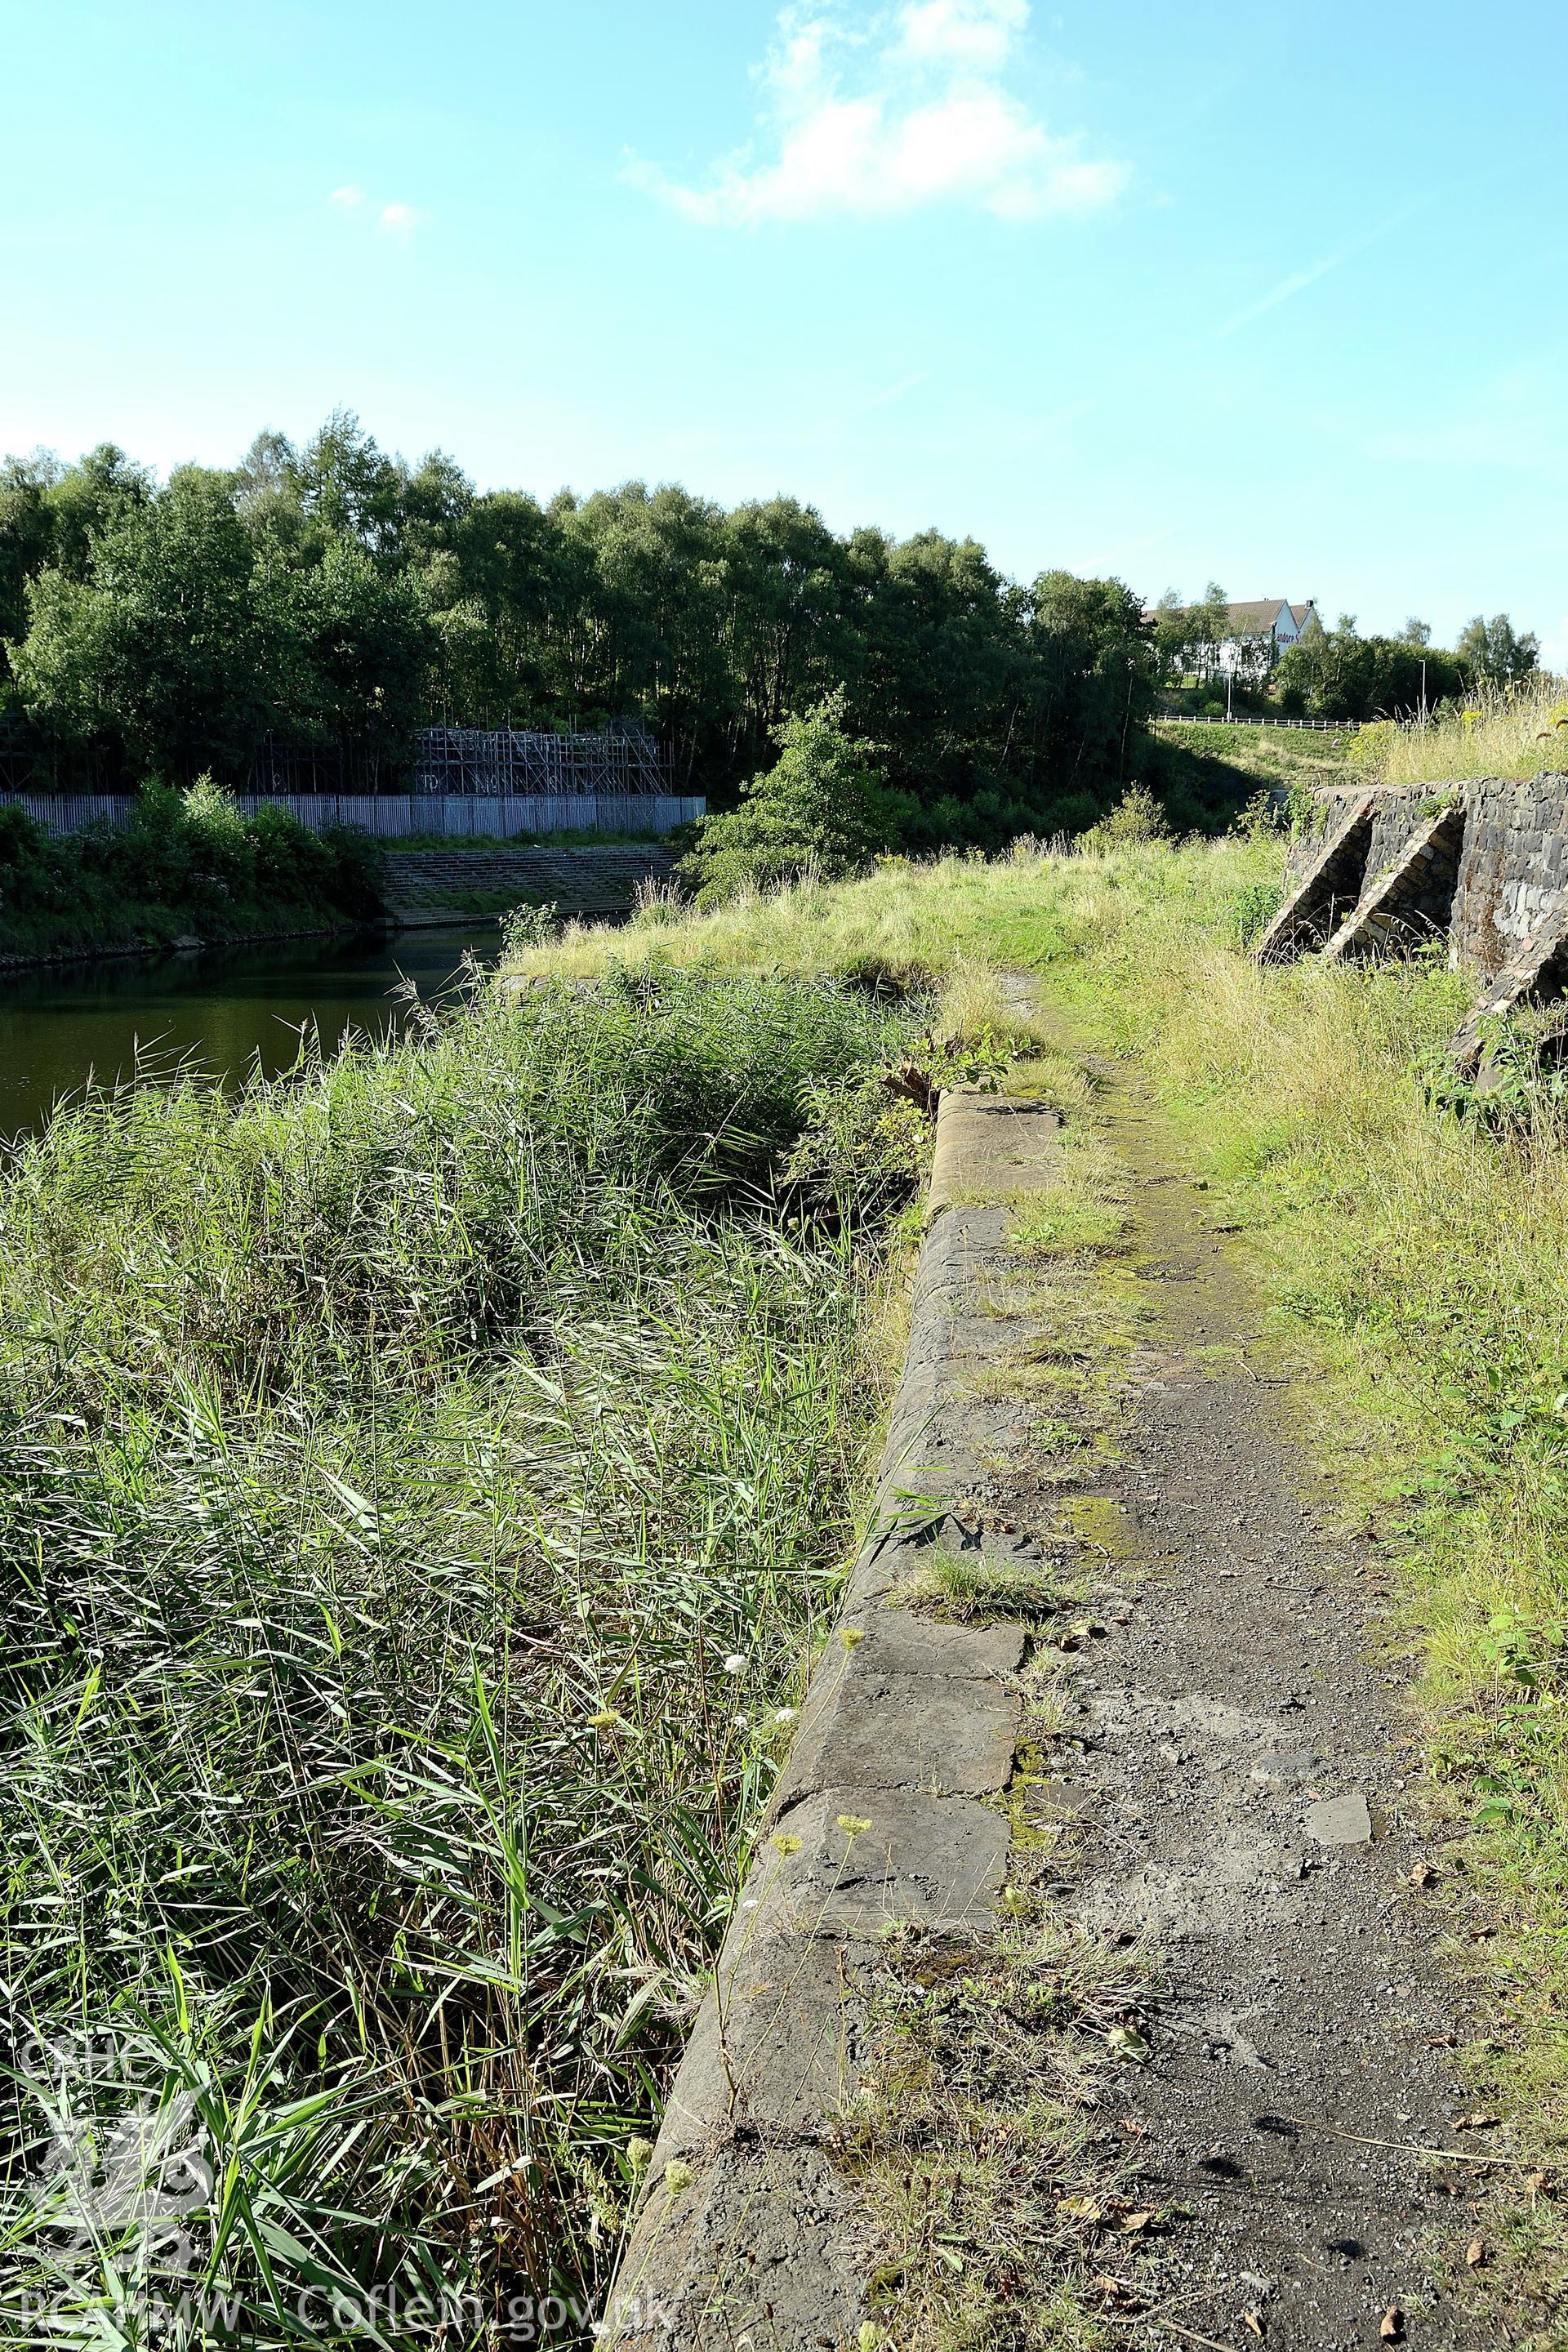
(1284, 2155)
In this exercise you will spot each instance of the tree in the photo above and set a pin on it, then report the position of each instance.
(1339, 674)
(327, 590)
(1171, 638)
(1209, 625)
(1491, 654)
(1416, 632)
(163, 643)
(363, 641)
(824, 808)
(1094, 681)
(26, 537)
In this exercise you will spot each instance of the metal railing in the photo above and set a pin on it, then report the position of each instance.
(1244, 718)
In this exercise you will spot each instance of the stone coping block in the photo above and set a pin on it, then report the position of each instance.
(908, 1727)
(1330, 888)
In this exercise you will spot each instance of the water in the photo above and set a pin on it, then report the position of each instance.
(226, 1007)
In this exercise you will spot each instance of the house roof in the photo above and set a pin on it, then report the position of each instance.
(1254, 620)
(1263, 614)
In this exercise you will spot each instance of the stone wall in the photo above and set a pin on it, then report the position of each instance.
(1513, 869)
(1512, 863)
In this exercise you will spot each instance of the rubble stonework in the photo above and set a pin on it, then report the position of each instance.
(1512, 863)
(1484, 864)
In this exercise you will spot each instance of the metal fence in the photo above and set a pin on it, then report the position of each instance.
(456, 816)
(1241, 718)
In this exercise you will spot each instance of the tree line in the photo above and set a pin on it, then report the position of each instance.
(330, 593)
(1336, 673)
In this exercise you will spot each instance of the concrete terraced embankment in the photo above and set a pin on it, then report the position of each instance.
(1231, 1800)
(437, 886)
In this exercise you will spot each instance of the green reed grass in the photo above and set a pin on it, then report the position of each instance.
(422, 1481)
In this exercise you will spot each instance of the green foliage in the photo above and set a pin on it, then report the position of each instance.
(1252, 910)
(185, 861)
(1492, 652)
(332, 594)
(164, 642)
(420, 1479)
(822, 808)
(1336, 673)
(1137, 817)
(529, 925)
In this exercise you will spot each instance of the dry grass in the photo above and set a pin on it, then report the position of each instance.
(1514, 731)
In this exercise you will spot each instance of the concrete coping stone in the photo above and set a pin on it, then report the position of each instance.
(879, 1821)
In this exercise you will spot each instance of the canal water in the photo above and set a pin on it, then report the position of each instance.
(225, 1009)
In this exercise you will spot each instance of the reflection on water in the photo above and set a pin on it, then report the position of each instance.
(225, 1007)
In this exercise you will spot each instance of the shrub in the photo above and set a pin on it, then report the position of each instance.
(1137, 817)
(822, 808)
(183, 859)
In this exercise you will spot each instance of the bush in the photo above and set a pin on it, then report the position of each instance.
(185, 860)
(1137, 817)
(824, 808)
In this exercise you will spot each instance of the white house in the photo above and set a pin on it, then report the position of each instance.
(1257, 635)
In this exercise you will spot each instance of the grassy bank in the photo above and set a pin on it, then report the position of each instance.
(1293, 759)
(1513, 731)
(188, 863)
(1413, 1261)
(422, 1484)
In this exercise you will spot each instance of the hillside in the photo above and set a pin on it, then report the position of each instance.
(1225, 766)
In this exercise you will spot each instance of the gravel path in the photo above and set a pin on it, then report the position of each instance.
(1242, 1809)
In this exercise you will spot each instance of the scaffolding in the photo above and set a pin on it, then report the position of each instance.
(623, 759)
(488, 762)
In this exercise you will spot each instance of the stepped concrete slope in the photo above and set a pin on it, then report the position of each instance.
(1327, 890)
(588, 881)
(1232, 1803)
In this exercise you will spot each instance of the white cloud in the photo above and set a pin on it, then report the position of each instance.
(974, 33)
(393, 220)
(911, 109)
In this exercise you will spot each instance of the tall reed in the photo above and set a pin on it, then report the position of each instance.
(422, 1482)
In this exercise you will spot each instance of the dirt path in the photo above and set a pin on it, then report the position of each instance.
(1242, 1807)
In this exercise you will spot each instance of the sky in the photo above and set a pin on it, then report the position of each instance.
(1275, 297)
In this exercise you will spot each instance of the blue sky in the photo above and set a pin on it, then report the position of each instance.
(1273, 296)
